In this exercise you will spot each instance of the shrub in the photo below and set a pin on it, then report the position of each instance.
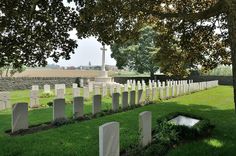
(43, 105)
(167, 135)
(69, 102)
(50, 104)
(46, 95)
(60, 122)
(201, 129)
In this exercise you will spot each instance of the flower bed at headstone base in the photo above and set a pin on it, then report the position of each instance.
(166, 135)
(55, 124)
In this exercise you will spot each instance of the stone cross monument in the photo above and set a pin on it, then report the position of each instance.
(103, 57)
(103, 76)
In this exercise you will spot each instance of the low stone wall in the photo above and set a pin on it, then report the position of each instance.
(8, 84)
(223, 80)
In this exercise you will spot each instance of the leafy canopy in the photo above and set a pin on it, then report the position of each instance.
(33, 30)
(187, 42)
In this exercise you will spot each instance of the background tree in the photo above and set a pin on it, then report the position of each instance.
(138, 55)
(10, 71)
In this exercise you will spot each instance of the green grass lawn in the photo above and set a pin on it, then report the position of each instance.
(82, 138)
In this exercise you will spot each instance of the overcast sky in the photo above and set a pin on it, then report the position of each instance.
(88, 51)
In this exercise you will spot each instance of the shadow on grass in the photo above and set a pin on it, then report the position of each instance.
(82, 138)
(222, 141)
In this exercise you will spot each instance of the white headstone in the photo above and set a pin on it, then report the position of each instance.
(125, 102)
(145, 127)
(140, 96)
(34, 100)
(47, 89)
(155, 85)
(154, 93)
(115, 101)
(132, 97)
(144, 86)
(163, 84)
(60, 86)
(126, 89)
(60, 94)
(104, 90)
(35, 87)
(81, 82)
(158, 84)
(118, 89)
(109, 139)
(90, 86)
(161, 93)
(139, 86)
(128, 83)
(177, 90)
(148, 98)
(59, 109)
(173, 91)
(150, 86)
(4, 100)
(97, 104)
(78, 107)
(167, 92)
(20, 117)
(74, 85)
(76, 92)
(97, 90)
(86, 92)
(133, 86)
(112, 89)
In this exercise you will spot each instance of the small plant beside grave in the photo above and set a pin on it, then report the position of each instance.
(47, 95)
(166, 135)
(50, 104)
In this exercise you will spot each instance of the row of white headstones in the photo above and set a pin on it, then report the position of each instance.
(177, 88)
(20, 110)
(109, 133)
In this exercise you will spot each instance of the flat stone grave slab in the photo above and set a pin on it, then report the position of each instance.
(184, 121)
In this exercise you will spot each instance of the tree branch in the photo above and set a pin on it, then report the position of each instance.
(215, 10)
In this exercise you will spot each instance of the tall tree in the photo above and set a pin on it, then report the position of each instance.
(33, 30)
(138, 55)
(118, 20)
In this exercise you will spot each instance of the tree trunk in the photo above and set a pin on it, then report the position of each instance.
(152, 75)
(232, 38)
(7, 71)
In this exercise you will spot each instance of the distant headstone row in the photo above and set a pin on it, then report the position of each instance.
(109, 135)
(46, 87)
